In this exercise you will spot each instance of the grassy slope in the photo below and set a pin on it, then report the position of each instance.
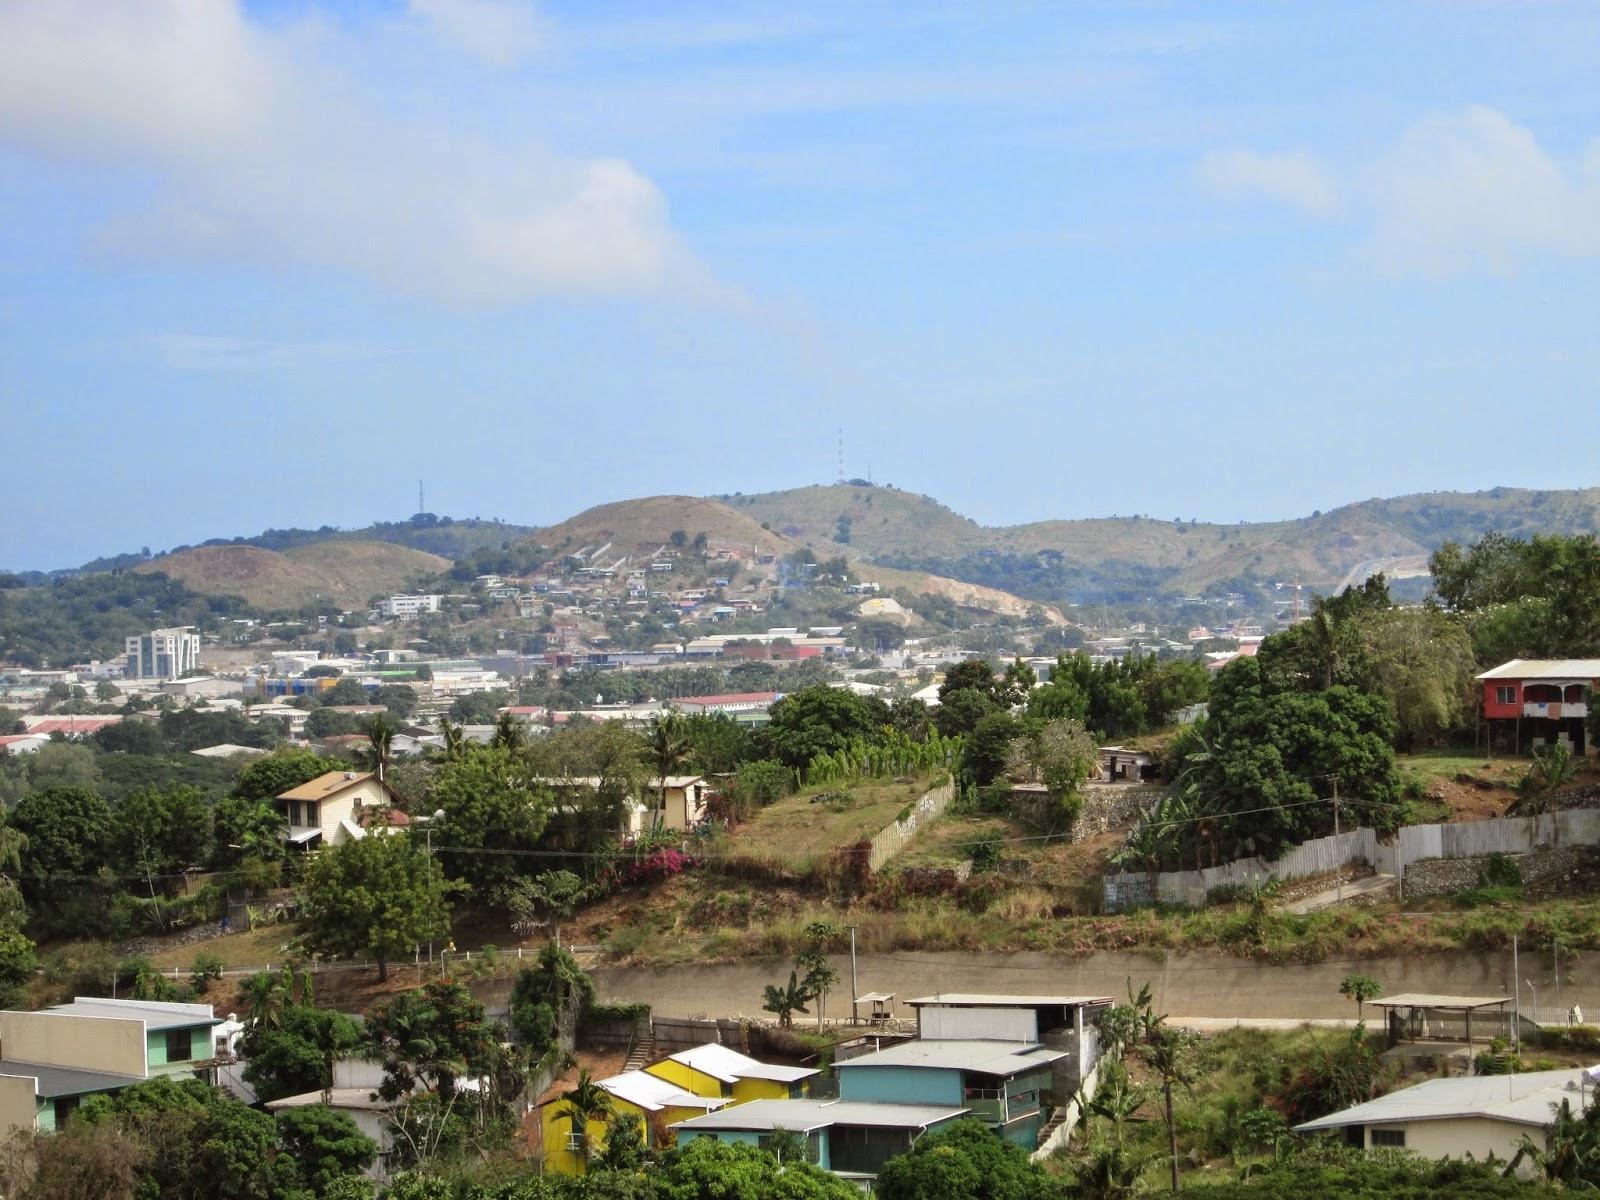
(347, 573)
(796, 830)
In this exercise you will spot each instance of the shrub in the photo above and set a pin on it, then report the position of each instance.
(205, 970)
(1500, 870)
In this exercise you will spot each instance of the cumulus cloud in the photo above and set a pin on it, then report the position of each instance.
(1460, 191)
(1474, 190)
(262, 151)
(500, 32)
(1297, 179)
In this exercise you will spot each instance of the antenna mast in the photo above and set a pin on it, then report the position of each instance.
(841, 454)
(421, 506)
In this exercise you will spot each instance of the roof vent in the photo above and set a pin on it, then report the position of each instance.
(349, 774)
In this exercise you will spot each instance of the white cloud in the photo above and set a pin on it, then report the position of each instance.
(1297, 179)
(262, 151)
(1474, 190)
(500, 32)
(1459, 192)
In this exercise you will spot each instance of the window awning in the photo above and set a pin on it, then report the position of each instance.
(299, 837)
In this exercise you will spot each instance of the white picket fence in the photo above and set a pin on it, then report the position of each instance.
(1474, 839)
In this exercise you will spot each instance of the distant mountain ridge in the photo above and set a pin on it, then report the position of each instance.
(905, 539)
(1047, 559)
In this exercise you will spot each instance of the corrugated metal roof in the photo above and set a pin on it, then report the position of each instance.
(729, 1066)
(1546, 668)
(1425, 1000)
(947, 1054)
(50, 1082)
(653, 1093)
(989, 1000)
(156, 1014)
(1517, 1099)
(802, 1116)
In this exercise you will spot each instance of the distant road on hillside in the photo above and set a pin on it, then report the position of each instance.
(1407, 566)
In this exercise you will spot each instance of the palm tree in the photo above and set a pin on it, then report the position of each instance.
(265, 997)
(668, 748)
(587, 1101)
(509, 733)
(380, 745)
(455, 742)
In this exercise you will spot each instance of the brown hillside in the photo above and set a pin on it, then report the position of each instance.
(640, 527)
(635, 527)
(344, 573)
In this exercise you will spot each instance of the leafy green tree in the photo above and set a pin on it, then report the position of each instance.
(275, 773)
(296, 1054)
(960, 714)
(494, 810)
(983, 753)
(430, 1038)
(707, 1169)
(820, 720)
(1360, 988)
(163, 832)
(325, 1145)
(966, 1161)
(68, 831)
(381, 895)
(541, 993)
(18, 962)
(200, 1142)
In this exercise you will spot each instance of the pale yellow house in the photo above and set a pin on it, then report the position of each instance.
(339, 807)
(655, 1101)
(51, 1060)
(683, 805)
(1470, 1117)
(718, 1071)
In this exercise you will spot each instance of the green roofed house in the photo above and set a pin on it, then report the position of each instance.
(50, 1060)
(850, 1139)
(1001, 1083)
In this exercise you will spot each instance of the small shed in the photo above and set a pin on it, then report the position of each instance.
(880, 1008)
(1424, 1017)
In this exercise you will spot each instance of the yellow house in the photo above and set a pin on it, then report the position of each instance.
(653, 1100)
(338, 807)
(717, 1071)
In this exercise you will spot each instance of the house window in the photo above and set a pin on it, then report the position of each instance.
(575, 1143)
(1505, 695)
(1389, 1137)
(179, 1047)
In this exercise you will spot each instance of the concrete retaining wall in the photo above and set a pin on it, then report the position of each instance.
(1193, 985)
(890, 841)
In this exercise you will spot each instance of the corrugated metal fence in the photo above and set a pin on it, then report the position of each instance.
(891, 840)
(1474, 839)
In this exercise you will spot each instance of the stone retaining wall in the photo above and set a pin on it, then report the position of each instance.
(1543, 872)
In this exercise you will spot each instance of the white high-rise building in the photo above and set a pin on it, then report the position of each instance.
(164, 653)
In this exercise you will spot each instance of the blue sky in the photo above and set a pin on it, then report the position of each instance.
(269, 264)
